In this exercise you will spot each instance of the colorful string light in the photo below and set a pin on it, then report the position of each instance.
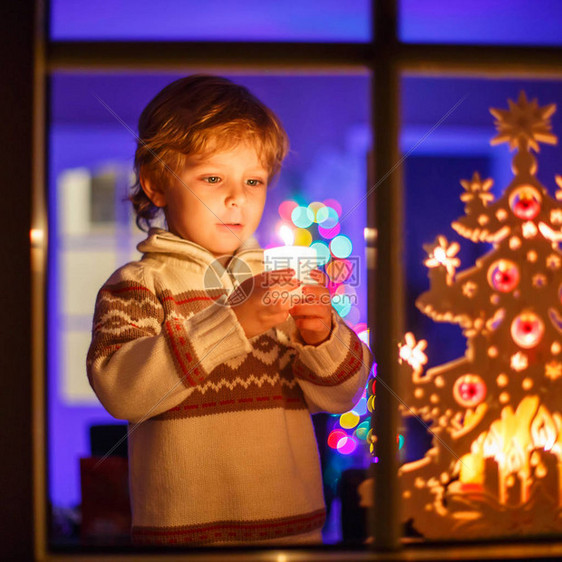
(316, 207)
(303, 237)
(286, 208)
(302, 217)
(329, 233)
(335, 204)
(341, 246)
(327, 217)
(322, 251)
(333, 251)
(349, 420)
(347, 445)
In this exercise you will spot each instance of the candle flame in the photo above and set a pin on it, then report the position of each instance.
(511, 441)
(286, 234)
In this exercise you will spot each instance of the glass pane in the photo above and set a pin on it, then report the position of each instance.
(92, 142)
(498, 22)
(482, 418)
(214, 20)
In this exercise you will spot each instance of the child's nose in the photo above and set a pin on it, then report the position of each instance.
(236, 195)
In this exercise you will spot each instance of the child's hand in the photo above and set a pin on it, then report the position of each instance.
(313, 316)
(263, 301)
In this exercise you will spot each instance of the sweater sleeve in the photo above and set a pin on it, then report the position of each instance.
(333, 374)
(142, 363)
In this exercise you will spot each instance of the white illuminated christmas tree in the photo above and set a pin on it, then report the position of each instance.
(495, 466)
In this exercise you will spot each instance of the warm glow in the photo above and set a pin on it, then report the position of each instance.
(494, 467)
(555, 216)
(37, 236)
(511, 441)
(519, 361)
(553, 369)
(411, 352)
(286, 234)
(443, 254)
(550, 234)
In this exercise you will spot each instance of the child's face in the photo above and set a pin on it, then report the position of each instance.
(221, 201)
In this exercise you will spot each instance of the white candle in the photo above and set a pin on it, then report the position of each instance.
(303, 259)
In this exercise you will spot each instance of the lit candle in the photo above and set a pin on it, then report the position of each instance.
(472, 469)
(492, 480)
(559, 467)
(303, 259)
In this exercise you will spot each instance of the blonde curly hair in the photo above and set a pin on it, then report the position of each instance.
(199, 115)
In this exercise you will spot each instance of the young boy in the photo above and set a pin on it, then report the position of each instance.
(218, 380)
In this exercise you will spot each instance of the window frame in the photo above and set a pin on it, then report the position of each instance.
(387, 58)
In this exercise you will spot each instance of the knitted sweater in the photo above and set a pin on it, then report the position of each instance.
(221, 443)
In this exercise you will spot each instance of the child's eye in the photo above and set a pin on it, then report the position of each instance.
(254, 183)
(212, 179)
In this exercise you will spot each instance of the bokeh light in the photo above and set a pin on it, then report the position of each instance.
(315, 207)
(347, 445)
(354, 315)
(322, 251)
(361, 407)
(302, 217)
(329, 233)
(286, 208)
(302, 237)
(339, 270)
(322, 214)
(335, 437)
(327, 217)
(346, 289)
(342, 304)
(362, 430)
(341, 246)
(364, 336)
(349, 420)
(335, 204)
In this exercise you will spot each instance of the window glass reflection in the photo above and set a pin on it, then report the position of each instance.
(215, 20)
(93, 232)
(480, 22)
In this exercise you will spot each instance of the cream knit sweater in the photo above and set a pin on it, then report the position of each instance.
(221, 443)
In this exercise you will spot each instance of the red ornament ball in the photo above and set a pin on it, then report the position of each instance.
(503, 276)
(469, 390)
(525, 202)
(527, 330)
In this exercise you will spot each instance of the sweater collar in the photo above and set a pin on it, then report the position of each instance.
(160, 241)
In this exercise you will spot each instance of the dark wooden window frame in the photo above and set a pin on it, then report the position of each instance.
(28, 58)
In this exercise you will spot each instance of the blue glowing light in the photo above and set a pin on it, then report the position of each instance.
(302, 217)
(341, 246)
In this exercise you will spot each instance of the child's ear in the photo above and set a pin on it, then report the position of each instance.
(154, 192)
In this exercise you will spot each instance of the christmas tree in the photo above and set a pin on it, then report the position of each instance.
(495, 465)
